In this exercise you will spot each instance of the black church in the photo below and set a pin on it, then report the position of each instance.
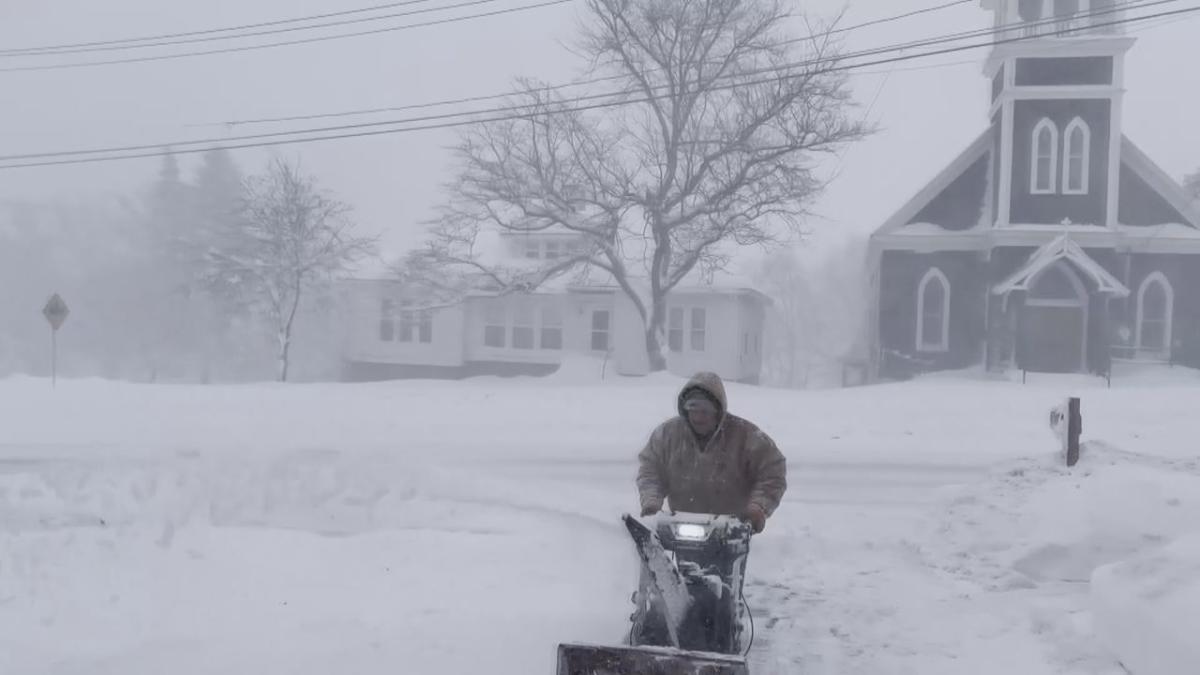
(1051, 243)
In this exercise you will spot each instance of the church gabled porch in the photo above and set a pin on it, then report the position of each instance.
(1053, 313)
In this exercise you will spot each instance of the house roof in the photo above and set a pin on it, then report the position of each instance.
(552, 230)
(965, 160)
(1061, 248)
(681, 290)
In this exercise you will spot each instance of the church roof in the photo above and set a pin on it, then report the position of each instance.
(953, 209)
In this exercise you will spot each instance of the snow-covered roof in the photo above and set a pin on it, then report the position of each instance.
(904, 216)
(1160, 181)
(553, 230)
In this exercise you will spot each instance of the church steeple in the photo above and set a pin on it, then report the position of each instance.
(1057, 87)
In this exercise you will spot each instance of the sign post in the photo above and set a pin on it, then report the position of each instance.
(56, 313)
(1067, 423)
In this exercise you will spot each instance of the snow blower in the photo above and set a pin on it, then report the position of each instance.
(688, 606)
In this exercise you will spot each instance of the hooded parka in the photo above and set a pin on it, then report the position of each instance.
(737, 465)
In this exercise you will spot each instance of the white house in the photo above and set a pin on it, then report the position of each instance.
(709, 327)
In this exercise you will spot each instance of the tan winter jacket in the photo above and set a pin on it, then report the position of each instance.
(740, 464)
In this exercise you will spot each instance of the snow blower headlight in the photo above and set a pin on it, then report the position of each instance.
(691, 531)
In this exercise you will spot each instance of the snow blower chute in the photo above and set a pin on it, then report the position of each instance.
(689, 606)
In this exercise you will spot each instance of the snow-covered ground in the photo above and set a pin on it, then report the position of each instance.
(463, 527)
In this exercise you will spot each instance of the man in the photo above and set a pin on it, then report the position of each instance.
(707, 460)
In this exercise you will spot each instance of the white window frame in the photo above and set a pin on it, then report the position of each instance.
(524, 319)
(701, 332)
(491, 312)
(606, 331)
(387, 320)
(1161, 351)
(1077, 124)
(675, 328)
(1035, 158)
(425, 326)
(555, 313)
(943, 339)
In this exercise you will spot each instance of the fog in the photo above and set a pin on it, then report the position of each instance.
(392, 329)
(76, 229)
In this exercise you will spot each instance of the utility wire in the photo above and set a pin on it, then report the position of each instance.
(486, 97)
(170, 39)
(273, 31)
(510, 109)
(269, 45)
(868, 52)
(897, 17)
(209, 31)
(774, 71)
(512, 114)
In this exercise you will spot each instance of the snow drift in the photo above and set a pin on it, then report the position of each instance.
(350, 528)
(1035, 520)
(1148, 607)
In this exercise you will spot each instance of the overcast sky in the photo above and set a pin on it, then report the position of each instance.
(928, 114)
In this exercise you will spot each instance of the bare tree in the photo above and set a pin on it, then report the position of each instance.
(708, 143)
(290, 239)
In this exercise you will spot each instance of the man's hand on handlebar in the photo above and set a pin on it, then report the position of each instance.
(756, 516)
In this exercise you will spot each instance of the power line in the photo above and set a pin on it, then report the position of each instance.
(269, 45)
(773, 70)
(869, 52)
(273, 31)
(510, 109)
(209, 31)
(897, 17)
(503, 117)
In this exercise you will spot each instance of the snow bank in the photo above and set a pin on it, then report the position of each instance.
(1035, 520)
(1147, 609)
(318, 528)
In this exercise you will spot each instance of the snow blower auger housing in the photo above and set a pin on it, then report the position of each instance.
(688, 606)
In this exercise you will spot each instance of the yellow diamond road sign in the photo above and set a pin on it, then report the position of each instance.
(56, 311)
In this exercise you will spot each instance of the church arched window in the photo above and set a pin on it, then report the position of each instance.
(1078, 142)
(1044, 169)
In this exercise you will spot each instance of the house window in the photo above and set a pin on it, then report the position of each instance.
(551, 328)
(425, 326)
(1066, 8)
(1078, 140)
(600, 330)
(493, 325)
(408, 325)
(522, 330)
(933, 312)
(1044, 157)
(554, 250)
(1155, 306)
(387, 321)
(533, 249)
(675, 329)
(698, 321)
